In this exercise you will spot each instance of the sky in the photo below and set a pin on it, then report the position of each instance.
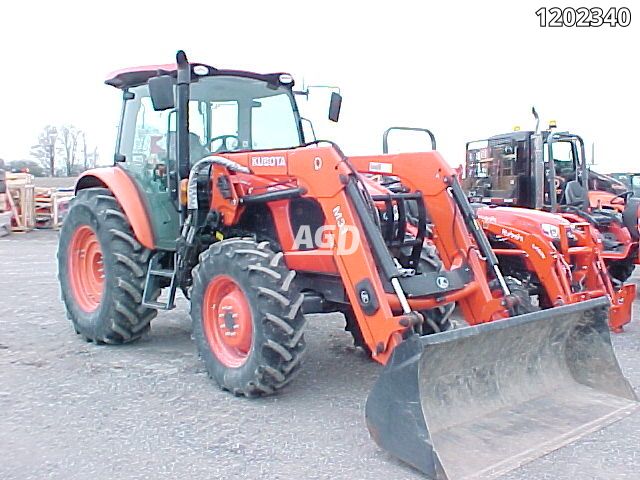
(465, 70)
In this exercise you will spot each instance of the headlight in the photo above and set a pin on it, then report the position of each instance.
(550, 231)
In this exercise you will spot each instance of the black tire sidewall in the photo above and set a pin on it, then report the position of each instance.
(237, 377)
(90, 323)
(247, 378)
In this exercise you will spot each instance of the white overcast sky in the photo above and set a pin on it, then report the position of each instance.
(465, 70)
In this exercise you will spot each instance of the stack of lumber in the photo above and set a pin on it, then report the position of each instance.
(20, 201)
(52, 205)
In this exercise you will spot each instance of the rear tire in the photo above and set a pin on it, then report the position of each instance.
(247, 317)
(102, 294)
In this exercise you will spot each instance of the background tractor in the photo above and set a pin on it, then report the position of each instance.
(558, 261)
(211, 187)
(547, 170)
(630, 180)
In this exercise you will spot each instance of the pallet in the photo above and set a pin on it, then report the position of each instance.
(51, 206)
(20, 197)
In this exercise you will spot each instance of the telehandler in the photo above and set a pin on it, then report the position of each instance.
(211, 186)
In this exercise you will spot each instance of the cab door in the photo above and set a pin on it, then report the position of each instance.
(144, 136)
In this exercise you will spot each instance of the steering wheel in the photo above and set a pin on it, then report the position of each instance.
(224, 138)
(624, 196)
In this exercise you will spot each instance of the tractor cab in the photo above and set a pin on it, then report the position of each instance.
(530, 169)
(499, 170)
(228, 111)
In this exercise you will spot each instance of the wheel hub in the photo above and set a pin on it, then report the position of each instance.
(233, 315)
(86, 268)
(227, 321)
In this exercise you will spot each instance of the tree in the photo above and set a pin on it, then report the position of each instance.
(89, 157)
(85, 154)
(45, 150)
(68, 139)
(93, 158)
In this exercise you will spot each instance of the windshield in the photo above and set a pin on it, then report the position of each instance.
(226, 114)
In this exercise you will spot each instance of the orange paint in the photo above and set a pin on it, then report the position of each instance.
(126, 192)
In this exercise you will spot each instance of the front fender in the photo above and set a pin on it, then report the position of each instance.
(127, 195)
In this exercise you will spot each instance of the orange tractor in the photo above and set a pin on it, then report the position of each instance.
(558, 261)
(215, 192)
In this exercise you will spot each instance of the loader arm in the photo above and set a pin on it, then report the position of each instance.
(368, 272)
(453, 239)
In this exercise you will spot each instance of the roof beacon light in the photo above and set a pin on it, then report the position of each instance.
(516, 128)
(552, 124)
(201, 70)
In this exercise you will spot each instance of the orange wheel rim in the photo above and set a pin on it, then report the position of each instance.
(86, 268)
(227, 321)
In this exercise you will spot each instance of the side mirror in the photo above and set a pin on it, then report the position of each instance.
(161, 91)
(334, 106)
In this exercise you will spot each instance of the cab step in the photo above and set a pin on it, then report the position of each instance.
(157, 271)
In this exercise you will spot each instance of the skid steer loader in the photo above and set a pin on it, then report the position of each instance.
(214, 192)
(513, 169)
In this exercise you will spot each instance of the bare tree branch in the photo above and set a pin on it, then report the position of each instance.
(45, 150)
(68, 139)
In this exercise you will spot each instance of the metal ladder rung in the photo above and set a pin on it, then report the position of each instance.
(155, 271)
(154, 304)
(161, 273)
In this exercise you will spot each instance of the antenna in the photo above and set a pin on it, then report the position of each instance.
(593, 153)
(535, 115)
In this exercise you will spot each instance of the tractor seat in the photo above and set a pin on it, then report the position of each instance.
(196, 150)
(574, 194)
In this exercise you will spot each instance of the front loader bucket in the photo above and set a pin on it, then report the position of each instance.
(483, 400)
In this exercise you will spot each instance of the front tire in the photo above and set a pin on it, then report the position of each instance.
(520, 294)
(102, 269)
(247, 317)
(621, 270)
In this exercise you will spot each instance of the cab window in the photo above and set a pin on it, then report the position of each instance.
(273, 124)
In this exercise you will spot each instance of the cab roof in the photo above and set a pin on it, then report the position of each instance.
(134, 76)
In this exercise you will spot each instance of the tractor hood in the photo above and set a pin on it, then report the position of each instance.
(520, 217)
(530, 221)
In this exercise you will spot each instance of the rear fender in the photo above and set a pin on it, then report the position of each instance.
(128, 196)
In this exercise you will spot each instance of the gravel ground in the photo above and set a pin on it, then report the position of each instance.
(74, 410)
